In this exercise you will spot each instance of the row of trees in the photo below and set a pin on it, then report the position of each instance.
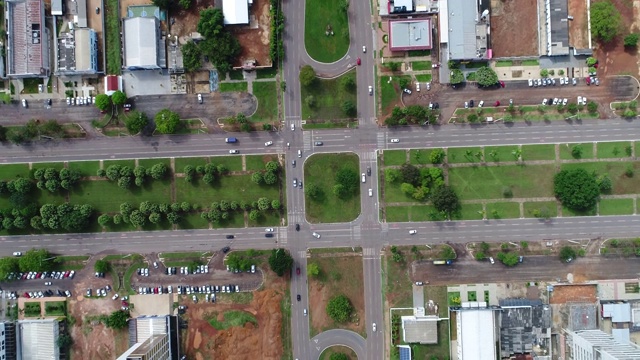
(154, 213)
(412, 114)
(104, 101)
(484, 76)
(31, 130)
(209, 172)
(53, 180)
(125, 176)
(269, 176)
(38, 260)
(222, 211)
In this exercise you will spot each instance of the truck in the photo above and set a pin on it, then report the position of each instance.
(231, 140)
(442, 262)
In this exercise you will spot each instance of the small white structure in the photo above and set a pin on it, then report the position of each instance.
(236, 12)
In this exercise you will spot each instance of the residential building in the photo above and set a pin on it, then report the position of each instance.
(410, 34)
(27, 39)
(153, 338)
(7, 340)
(598, 345)
(144, 47)
(78, 53)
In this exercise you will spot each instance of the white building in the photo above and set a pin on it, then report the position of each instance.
(236, 12)
(156, 338)
(143, 45)
(476, 325)
(36, 339)
(598, 345)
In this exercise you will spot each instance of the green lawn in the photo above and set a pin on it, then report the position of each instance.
(129, 163)
(86, 168)
(320, 14)
(320, 170)
(390, 90)
(503, 210)
(106, 196)
(148, 163)
(393, 194)
(530, 207)
(531, 62)
(267, 95)
(233, 87)
(236, 187)
(257, 162)
(112, 32)
(419, 52)
(267, 73)
(194, 221)
(420, 156)
(236, 75)
(182, 162)
(409, 213)
(12, 171)
(232, 318)
(500, 153)
(568, 212)
(329, 96)
(55, 308)
(616, 207)
(423, 77)
(622, 184)
(470, 212)
(476, 64)
(489, 182)
(421, 65)
(233, 163)
(504, 63)
(463, 155)
(587, 151)
(616, 149)
(538, 152)
(394, 157)
(56, 165)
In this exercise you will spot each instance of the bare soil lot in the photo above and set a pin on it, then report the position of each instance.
(578, 27)
(573, 293)
(255, 38)
(202, 341)
(338, 275)
(514, 28)
(613, 57)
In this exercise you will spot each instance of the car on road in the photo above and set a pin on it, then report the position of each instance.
(298, 297)
(428, 86)
(268, 230)
(304, 312)
(369, 170)
(24, 103)
(553, 82)
(199, 98)
(491, 260)
(597, 81)
(413, 232)
(226, 249)
(395, 140)
(520, 258)
(510, 101)
(299, 153)
(364, 49)
(419, 283)
(358, 61)
(497, 103)
(230, 236)
(407, 91)
(501, 83)
(234, 151)
(316, 235)
(370, 192)
(297, 227)
(588, 80)
(268, 143)
(293, 127)
(295, 182)
(481, 103)
(569, 260)
(293, 163)
(48, 283)
(364, 178)
(319, 143)
(561, 81)
(68, 293)
(268, 235)
(298, 270)
(374, 327)
(370, 90)
(17, 253)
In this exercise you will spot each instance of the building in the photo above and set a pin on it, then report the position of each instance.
(464, 30)
(57, 7)
(525, 328)
(236, 12)
(420, 329)
(153, 338)
(143, 44)
(410, 34)
(112, 83)
(27, 39)
(36, 339)
(476, 329)
(597, 345)
(8, 341)
(557, 26)
(78, 53)
(620, 314)
(78, 8)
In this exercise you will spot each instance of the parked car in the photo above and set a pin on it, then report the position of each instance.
(234, 151)
(199, 98)
(268, 143)
(395, 140)
(407, 91)
(481, 103)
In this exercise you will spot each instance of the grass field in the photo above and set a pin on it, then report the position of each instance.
(320, 170)
(267, 95)
(423, 77)
(319, 14)
(616, 207)
(233, 86)
(470, 212)
(237, 187)
(267, 73)
(622, 184)
(503, 210)
(329, 96)
(409, 213)
(394, 157)
(530, 207)
(106, 196)
(489, 182)
(257, 162)
(618, 149)
(538, 152)
(32, 309)
(233, 163)
(500, 153)
(55, 308)
(463, 155)
(389, 94)
(13, 171)
(86, 168)
(421, 65)
(420, 156)
(112, 31)
(565, 151)
(396, 282)
(182, 162)
(232, 318)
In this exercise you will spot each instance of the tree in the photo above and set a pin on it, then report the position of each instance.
(307, 76)
(154, 218)
(310, 101)
(118, 319)
(136, 122)
(124, 182)
(3, 133)
(270, 178)
(392, 65)
(576, 151)
(191, 55)
(257, 177)
(113, 172)
(605, 21)
(473, 117)
(313, 191)
(8, 265)
(348, 83)
(137, 218)
(163, 4)
(410, 174)
(544, 72)
(173, 218)
(631, 40)
(158, 171)
(437, 156)
(118, 98)
(104, 220)
(167, 121)
(508, 258)
(604, 183)
(349, 108)
(185, 4)
(103, 102)
(457, 77)
(263, 204)
(567, 253)
(254, 215)
(445, 200)
(36, 260)
(280, 261)
(20, 186)
(348, 179)
(219, 44)
(313, 269)
(576, 189)
(64, 341)
(392, 175)
(486, 76)
(275, 204)
(339, 308)
(102, 266)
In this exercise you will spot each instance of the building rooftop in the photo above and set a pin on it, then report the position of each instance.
(423, 330)
(618, 312)
(607, 345)
(476, 327)
(37, 339)
(467, 32)
(235, 12)
(523, 323)
(412, 34)
(28, 38)
(140, 42)
(556, 12)
(583, 317)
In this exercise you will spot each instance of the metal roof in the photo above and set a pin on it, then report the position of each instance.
(405, 352)
(140, 42)
(620, 312)
(37, 339)
(412, 34)
(476, 328)
(235, 12)
(465, 32)
(604, 344)
(423, 330)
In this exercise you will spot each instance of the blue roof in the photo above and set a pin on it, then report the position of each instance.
(405, 353)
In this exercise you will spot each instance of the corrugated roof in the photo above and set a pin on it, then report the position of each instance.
(140, 42)
(617, 312)
(410, 34)
(235, 12)
(37, 339)
(476, 329)
(462, 28)
(420, 330)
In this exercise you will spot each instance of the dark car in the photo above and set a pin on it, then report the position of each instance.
(226, 249)
(297, 227)
(298, 297)
(297, 271)
(369, 170)
(268, 235)
(319, 143)
(550, 102)
(471, 103)
(230, 236)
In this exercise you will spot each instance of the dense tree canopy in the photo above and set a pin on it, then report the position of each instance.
(118, 98)
(576, 189)
(191, 55)
(219, 44)
(307, 75)
(605, 21)
(339, 308)
(136, 121)
(167, 121)
(445, 200)
(347, 180)
(485, 76)
(457, 77)
(103, 102)
(280, 261)
(118, 319)
(36, 260)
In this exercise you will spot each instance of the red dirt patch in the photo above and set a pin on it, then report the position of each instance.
(186, 21)
(255, 41)
(202, 341)
(563, 294)
(578, 31)
(514, 28)
(613, 58)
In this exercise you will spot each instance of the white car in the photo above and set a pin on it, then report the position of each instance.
(316, 235)
(413, 232)
(584, 100)
(48, 283)
(364, 178)
(466, 105)
(115, 296)
(370, 192)
(268, 230)
(293, 127)
(428, 86)
(544, 101)
(374, 327)
(364, 49)
(370, 90)
(17, 253)
(200, 98)
(268, 143)
(234, 152)
(579, 100)
(564, 102)
(574, 81)
(407, 91)
(530, 82)
(395, 140)
(491, 260)
(555, 101)
(561, 81)
(418, 87)
(481, 103)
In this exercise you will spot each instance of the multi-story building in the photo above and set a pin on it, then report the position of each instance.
(28, 39)
(598, 345)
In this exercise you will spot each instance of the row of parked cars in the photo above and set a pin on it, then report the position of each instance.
(81, 100)
(43, 275)
(46, 293)
(552, 81)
